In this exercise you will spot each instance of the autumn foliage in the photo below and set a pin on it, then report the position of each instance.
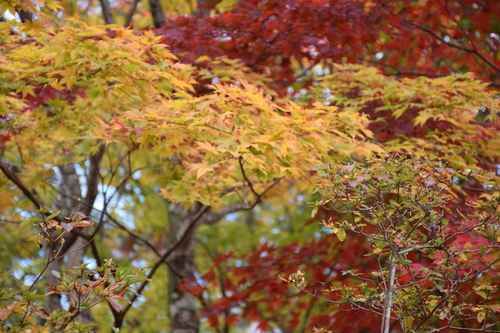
(307, 166)
(407, 38)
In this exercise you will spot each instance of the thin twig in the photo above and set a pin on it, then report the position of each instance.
(250, 185)
(191, 225)
(133, 234)
(31, 196)
(459, 47)
(160, 261)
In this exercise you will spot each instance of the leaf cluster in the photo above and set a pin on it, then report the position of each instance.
(436, 247)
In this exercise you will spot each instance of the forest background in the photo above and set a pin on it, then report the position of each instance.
(275, 166)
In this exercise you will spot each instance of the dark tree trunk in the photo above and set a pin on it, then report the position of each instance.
(157, 13)
(182, 307)
(69, 193)
(69, 190)
(106, 12)
(130, 13)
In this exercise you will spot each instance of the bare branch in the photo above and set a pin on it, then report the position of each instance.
(459, 47)
(250, 185)
(470, 329)
(160, 261)
(191, 225)
(93, 177)
(29, 194)
(133, 234)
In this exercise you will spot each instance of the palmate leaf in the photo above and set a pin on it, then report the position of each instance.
(73, 89)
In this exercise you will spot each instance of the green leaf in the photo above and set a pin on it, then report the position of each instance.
(468, 245)
(30, 220)
(37, 238)
(341, 234)
(482, 293)
(314, 211)
(408, 322)
(51, 216)
(56, 274)
(254, 151)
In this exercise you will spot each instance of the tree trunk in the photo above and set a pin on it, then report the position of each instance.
(157, 13)
(182, 309)
(206, 6)
(182, 306)
(106, 12)
(69, 188)
(69, 193)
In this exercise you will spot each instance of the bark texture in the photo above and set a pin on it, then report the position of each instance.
(182, 307)
(157, 13)
(70, 191)
(106, 12)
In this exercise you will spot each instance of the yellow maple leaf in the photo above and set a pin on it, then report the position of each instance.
(208, 147)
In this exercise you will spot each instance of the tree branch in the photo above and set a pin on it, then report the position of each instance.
(160, 261)
(462, 48)
(192, 224)
(130, 14)
(106, 12)
(93, 180)
(250, 185)
(133, 234)
(157, 13)
(386, 326)
(30, 195)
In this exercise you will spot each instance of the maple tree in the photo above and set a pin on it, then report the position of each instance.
(325, 256)
(214, 125)
(436, 255)
(432, 38)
